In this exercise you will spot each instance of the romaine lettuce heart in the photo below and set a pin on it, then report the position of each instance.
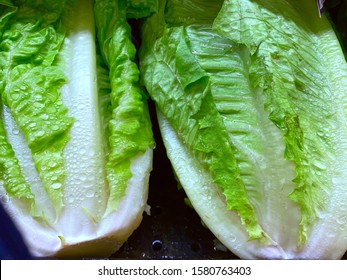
(76, 148)
(251, 100)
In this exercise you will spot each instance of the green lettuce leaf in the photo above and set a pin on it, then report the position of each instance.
(130, 126)
(251, 103)
(15, 184)
(30, 89)
(75, 154)
(141, 8)
(290, 64)
(184, 97)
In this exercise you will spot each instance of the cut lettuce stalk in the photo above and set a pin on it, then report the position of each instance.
(251, 101)
(57, 134)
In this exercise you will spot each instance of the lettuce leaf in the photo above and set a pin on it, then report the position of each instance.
(300, 88)
(251, 103)
(130, 125)
(28, 71)
(76, 152)
(141, 8)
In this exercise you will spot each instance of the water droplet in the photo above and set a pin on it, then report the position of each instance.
(218, 246)
(39, 105)
(91, 153)
(341, 220)
(15, 96)
(5, 198)
(70, 199)
(320, 165)
(232, 238)
(52, 164)
(44, 117)
(90, 193)
(55, 127)
(38, 97)
(83, 177)
(32, 124)
(15, 131)
(56, 186)
(51, 109)
(40, 133)
(157, 245)
(54, 177)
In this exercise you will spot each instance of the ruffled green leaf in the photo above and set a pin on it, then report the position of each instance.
(30, 88)
(289, 65)
(181, 89)
(130, 126)
(10, 171)
(141, 8)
